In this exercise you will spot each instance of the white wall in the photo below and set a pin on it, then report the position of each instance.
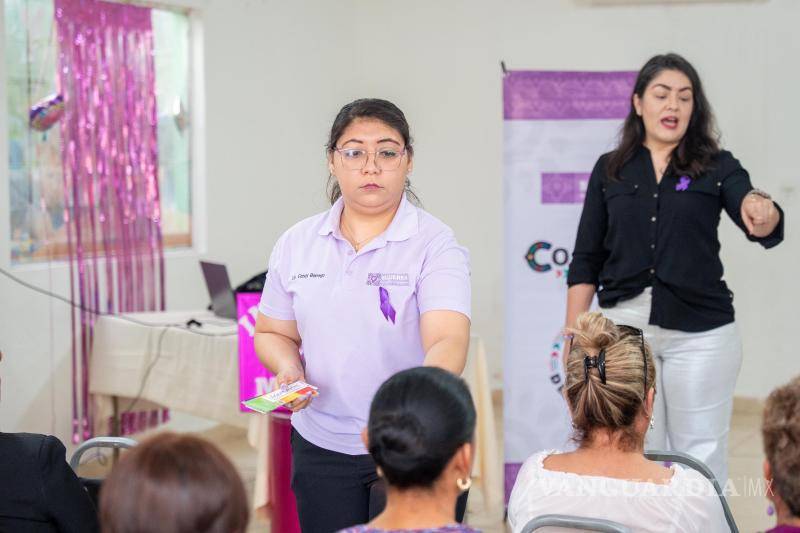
(277, 72)
(446, 75)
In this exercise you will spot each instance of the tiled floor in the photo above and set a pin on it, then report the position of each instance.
(745, 494)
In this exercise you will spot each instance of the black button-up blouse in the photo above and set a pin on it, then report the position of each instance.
(635, 233)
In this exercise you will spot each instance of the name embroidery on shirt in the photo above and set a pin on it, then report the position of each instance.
(379, 279)
(307, 276)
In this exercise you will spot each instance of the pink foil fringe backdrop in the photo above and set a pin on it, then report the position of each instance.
(106, 74)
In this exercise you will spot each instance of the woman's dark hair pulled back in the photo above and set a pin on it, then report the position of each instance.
(418, 420)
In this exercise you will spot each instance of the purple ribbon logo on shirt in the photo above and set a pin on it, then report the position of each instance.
(386, 305)
(683, 184)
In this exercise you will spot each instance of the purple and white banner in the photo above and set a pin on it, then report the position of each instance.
(556, 126)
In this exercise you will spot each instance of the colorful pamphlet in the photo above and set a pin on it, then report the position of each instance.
(272, 400)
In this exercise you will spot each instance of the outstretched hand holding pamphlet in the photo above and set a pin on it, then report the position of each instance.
(272, 400)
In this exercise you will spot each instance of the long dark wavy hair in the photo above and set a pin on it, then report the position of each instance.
(694, 154)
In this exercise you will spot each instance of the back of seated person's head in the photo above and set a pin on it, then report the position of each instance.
(781, 432)
(617, 407)
(173, 483)
(420, 420)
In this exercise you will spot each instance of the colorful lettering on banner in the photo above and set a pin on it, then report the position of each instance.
(254, 378)
(556, 126)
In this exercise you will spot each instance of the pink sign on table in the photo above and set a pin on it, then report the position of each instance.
(254, 379)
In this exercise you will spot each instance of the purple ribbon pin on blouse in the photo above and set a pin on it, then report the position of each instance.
(386, 305)
(683, 184)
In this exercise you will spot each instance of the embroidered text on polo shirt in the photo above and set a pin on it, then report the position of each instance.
(307, 276)
(383, 279)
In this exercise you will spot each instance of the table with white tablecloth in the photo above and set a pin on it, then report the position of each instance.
(159, 361)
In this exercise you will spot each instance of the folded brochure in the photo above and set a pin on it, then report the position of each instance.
(272, 400)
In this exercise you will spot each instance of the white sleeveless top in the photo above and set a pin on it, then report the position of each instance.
(688, 503)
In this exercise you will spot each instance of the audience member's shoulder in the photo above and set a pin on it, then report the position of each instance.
(24, 453)
(29, 444)
(534, 464)
(690, 481)
(529, 480)
(699, 499)
(53, 449)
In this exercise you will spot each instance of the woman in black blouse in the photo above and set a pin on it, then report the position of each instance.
(647, 245)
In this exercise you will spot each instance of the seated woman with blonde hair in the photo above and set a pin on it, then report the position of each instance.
(610, 390)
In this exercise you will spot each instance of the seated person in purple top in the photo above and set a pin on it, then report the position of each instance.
(781, 433)
(353, 295)
(420, 433)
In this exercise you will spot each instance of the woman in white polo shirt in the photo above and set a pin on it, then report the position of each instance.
(353, 295)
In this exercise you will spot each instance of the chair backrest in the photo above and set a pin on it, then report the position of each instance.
(92, 485)
(575, 522)
(99, 442)
(696, 464)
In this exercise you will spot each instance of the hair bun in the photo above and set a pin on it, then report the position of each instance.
(397, 441)
(418, 419)
(397, 433)
(594, 331)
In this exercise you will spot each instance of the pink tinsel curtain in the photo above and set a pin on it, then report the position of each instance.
(110, 163)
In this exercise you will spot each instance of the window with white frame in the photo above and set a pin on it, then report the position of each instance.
(36, 194)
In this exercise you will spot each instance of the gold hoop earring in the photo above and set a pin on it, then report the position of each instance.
(464, 484)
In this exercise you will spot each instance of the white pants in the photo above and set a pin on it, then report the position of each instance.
(695, 378)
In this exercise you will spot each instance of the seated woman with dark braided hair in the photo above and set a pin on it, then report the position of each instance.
(610, 391)
(420, 434)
